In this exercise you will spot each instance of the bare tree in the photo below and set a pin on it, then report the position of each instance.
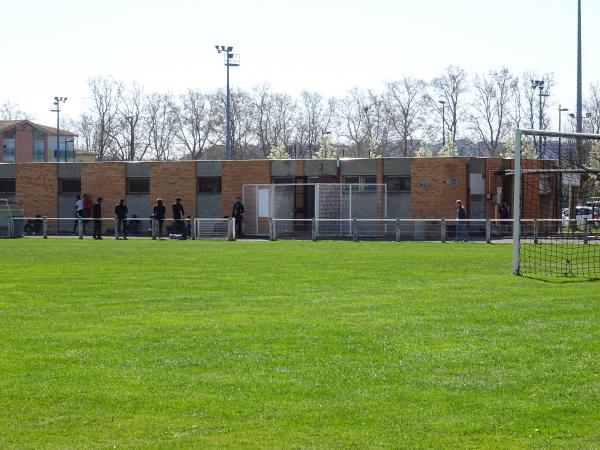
(195, 122)
(592, 106)
(314, 117)
(160, 124)
(378, 125)
(489, 109)
(352, 112)
(12, 111)
(450, 88)
(106, 94)
(405, 101)
(530, 103)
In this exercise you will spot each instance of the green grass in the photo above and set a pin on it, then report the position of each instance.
(169, 344)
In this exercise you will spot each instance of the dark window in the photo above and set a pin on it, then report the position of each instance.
(398, 185)
(353, 180)
(70, 186)
(209, 185)
(138, 185)
(7, 186)
(283, 180)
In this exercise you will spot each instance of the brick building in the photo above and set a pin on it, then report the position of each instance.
(23, 141)
(419, 188)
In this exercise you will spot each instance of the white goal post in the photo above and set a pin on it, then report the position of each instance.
(556, 214)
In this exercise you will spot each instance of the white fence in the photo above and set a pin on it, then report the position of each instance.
(484, 230)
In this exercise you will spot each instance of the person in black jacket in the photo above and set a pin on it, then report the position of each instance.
(121, 213)
(461, 225)
(178, 215)
(158, 213)
(97, 215)
(238, 214)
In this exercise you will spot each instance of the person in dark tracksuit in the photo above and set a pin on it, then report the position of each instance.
(178, 215)
(461, 225)
(238, 214)
(121, 213)
(97, 215)
(158, 213)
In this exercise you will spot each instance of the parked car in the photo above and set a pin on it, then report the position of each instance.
(582, 213)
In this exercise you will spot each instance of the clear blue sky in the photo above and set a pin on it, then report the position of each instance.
(52, 47)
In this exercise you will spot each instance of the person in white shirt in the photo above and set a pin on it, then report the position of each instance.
(78, 213)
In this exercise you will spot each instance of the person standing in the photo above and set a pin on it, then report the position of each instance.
(461, 226)
(97, 215)
(87, 209)
(78, 213)
(121, 213)
(238, 215)
(158, 213)
(178, 215)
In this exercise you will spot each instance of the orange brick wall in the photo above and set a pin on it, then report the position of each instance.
(439, 197)
(23, 144)
(238, 173)
(37, 189)
(106, 180)
(172, 179)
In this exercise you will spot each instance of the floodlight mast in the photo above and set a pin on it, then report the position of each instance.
(57, 102)
(228, 62)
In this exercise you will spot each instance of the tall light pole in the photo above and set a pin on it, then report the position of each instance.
(131, 147)
(57, 102)
(540, 84)
(560, 111)
(229, 62)
(579, 125)
(443, 103)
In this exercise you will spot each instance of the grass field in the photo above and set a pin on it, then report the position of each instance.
(169, 344)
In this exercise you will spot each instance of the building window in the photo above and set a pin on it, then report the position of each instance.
(209, 185)
(8, 186)
(70, 186)
(362, 180)
(8, 145)
(398, 185)
(38, 147)
(138, 186)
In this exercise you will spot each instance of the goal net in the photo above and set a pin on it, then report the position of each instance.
(556, 204)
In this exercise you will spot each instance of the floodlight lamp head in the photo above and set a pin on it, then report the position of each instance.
(217, 47)
(442, 102)
(56, 99)
(229, 49)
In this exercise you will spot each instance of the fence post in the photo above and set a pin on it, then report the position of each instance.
(116, 229)
(11, 228)
(535, 231)
(585, 231)
(80, 227)
(45, 227)
(153, 228)
(271, 229)
(443, 229)
(488, 230)
(193, 228)
(314, 229)
(231, 229)
(397, 229)
(354, 230)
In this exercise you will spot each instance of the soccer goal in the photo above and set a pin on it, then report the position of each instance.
(556, 207)
(332, 206)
